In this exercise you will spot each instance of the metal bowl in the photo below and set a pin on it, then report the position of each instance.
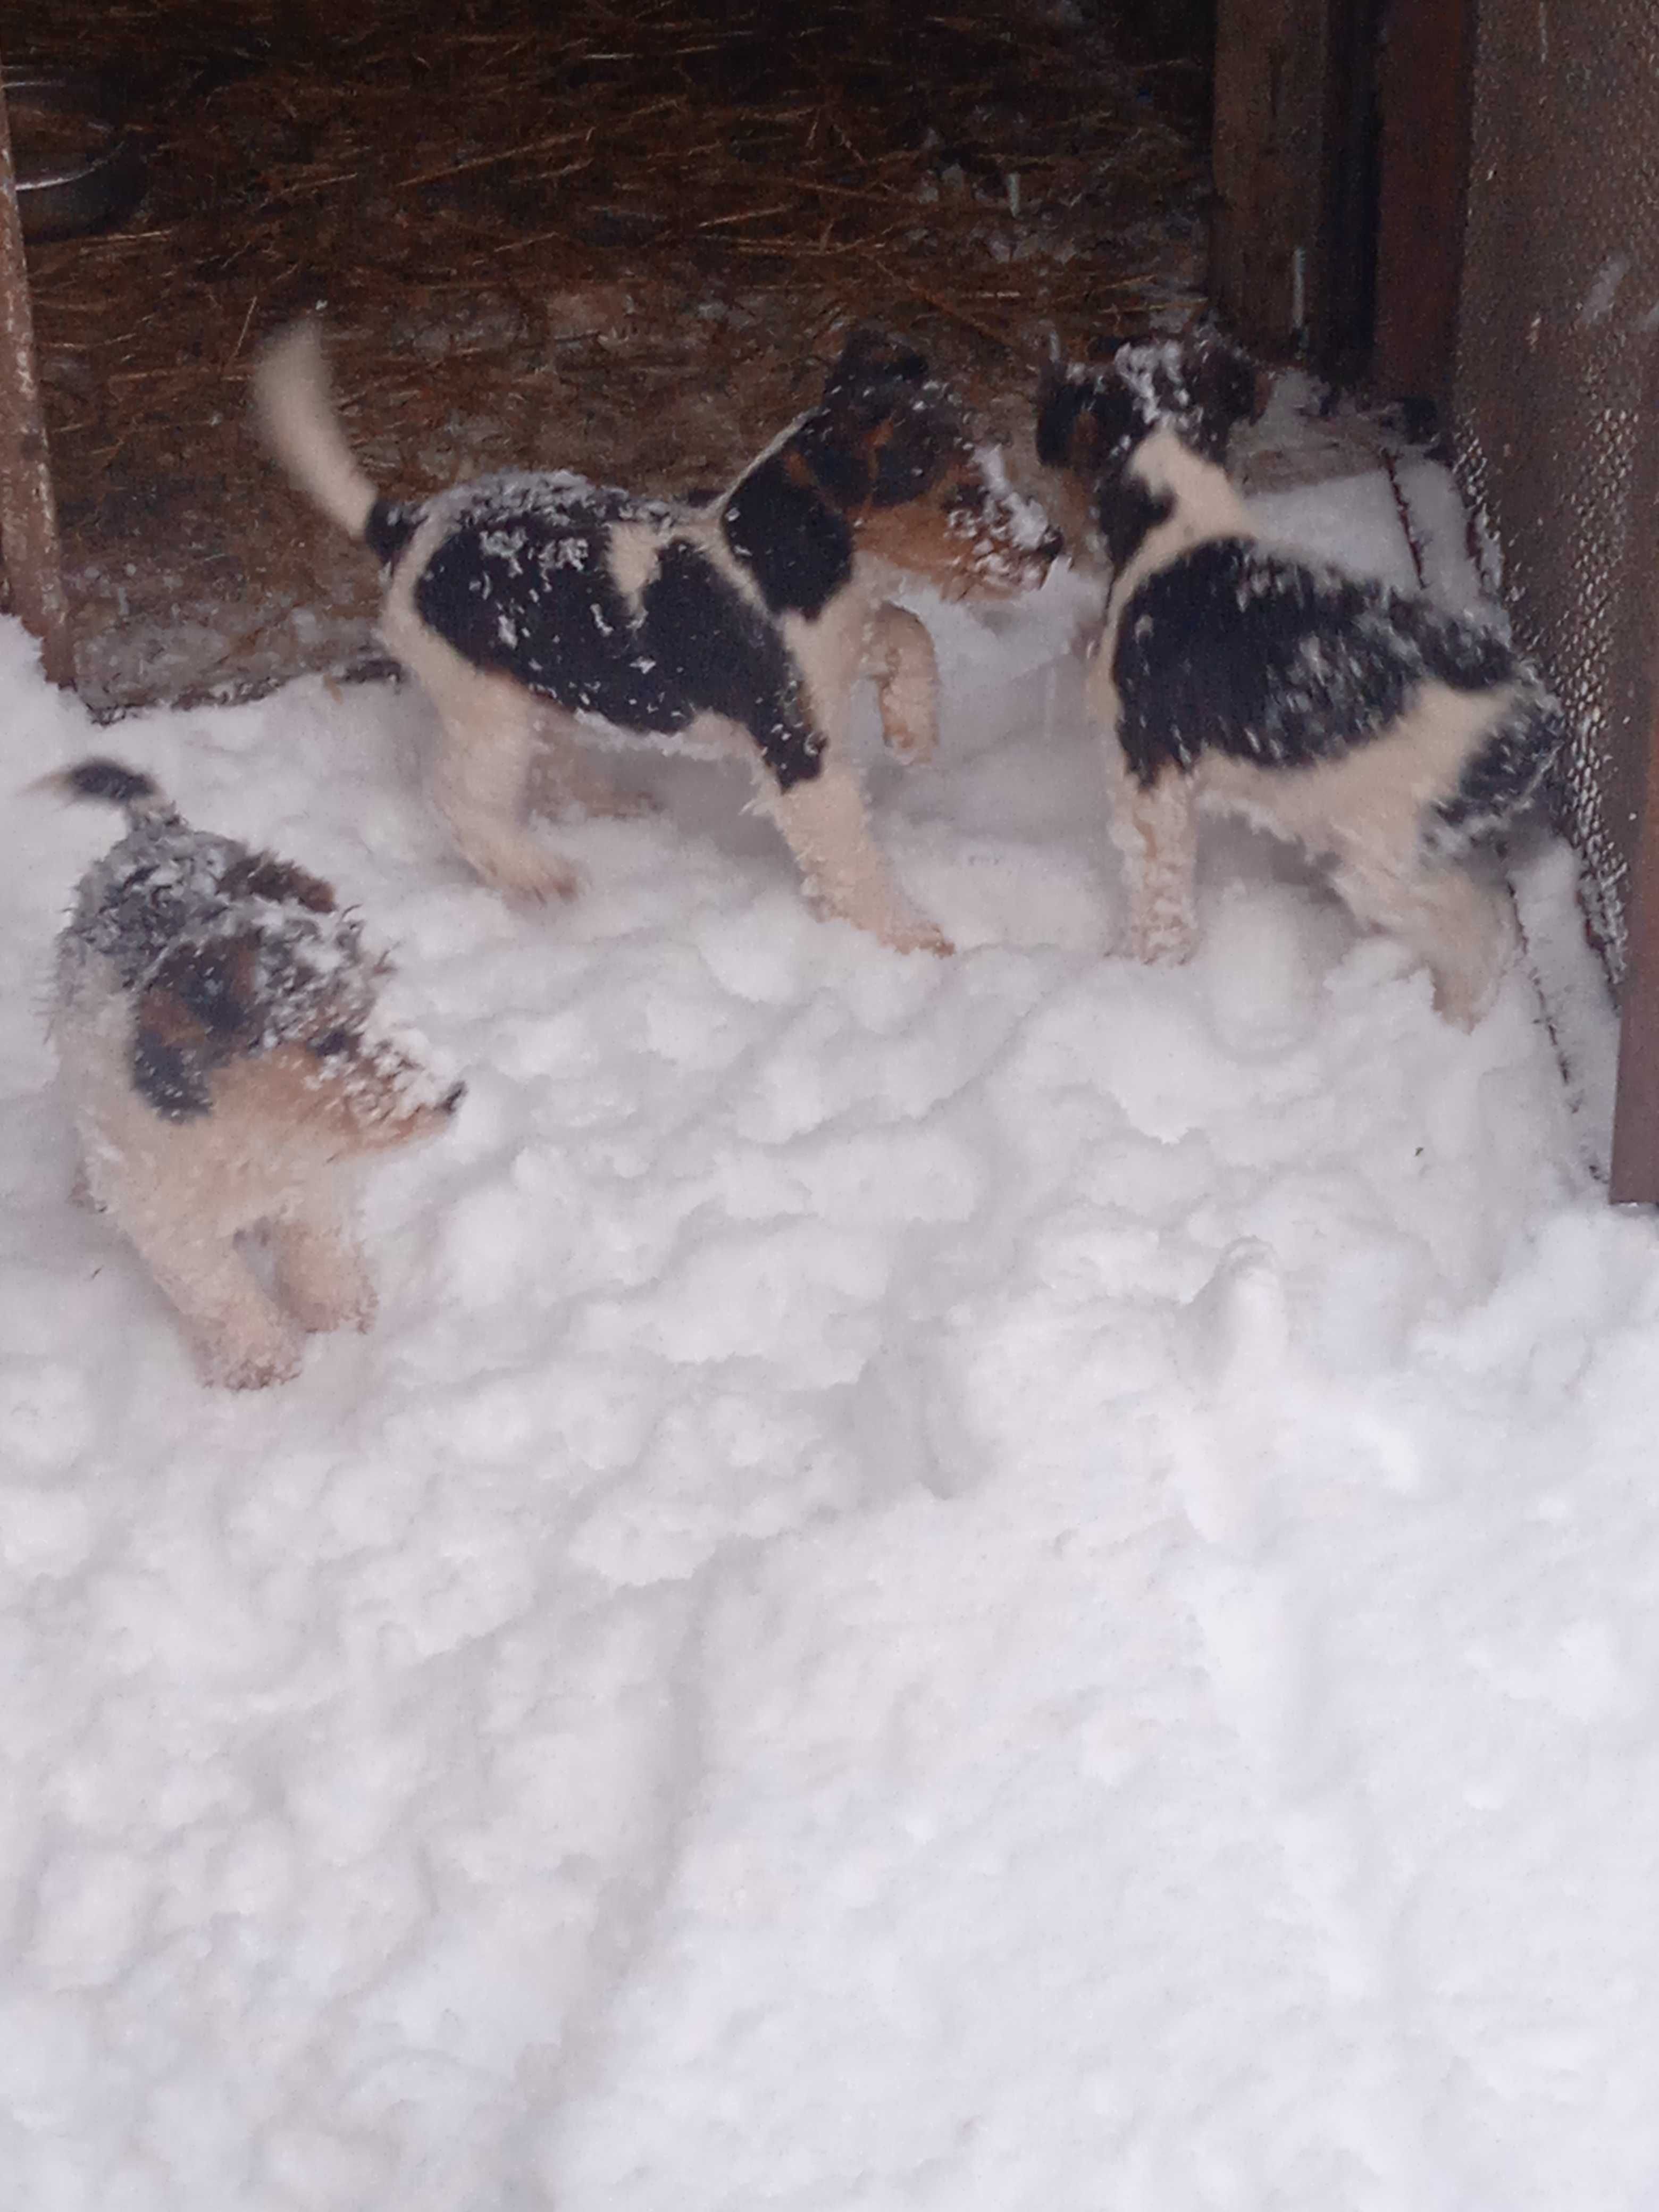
(100, 175)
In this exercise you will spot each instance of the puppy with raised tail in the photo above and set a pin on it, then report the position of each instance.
(536, 608)
(214, 1018)
(1385, 736)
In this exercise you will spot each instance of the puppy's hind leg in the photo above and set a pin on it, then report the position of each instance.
(481, 770)
(899, 653)
(1155, 831)
(1464, 929)
(563, 779)
(243, 1339)
(479, 784)
(845, 874)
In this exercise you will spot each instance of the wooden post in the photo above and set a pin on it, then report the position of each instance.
(1426, 65)
(1270, 157)
(1633, 1177)
(28, 513)
(1292, 239)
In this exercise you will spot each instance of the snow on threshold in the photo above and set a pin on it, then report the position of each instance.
(1010, 1583)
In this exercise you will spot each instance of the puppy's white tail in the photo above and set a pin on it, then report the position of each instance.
(295, 406)
(137, 795)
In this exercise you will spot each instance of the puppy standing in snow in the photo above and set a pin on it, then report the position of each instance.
(213, 1014)
(532, 606)
(1366, 724)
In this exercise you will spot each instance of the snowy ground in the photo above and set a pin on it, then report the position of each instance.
(1007, 1585)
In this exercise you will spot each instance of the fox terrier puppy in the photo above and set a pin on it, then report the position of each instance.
(1378, 731)
(212, 1013)
(535, 608)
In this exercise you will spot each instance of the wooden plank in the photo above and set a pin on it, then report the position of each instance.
(1271, 90)
(1427, 66)
(1634, 1180)
(1634, 1177)
(29, 510)
(1293, 243)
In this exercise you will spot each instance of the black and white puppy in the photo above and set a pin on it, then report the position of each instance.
(533, 608)
(1378, 731)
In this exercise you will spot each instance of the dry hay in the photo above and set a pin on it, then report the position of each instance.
(616, 238)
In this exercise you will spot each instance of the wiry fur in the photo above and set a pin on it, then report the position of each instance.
(1382, 734)
(213, 1014)
(538, 608)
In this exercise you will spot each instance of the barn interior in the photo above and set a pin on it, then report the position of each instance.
(621, 239)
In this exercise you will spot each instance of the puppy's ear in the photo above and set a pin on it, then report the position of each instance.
(1061, 400)
(1227, 388)
(1083, 419)
(880, 445)
(836, 444)
(787, 519)
(200, 1008)
(873, 356)
(262, 876)
(216, 986)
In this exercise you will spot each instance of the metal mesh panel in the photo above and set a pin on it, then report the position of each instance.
(1556, 332)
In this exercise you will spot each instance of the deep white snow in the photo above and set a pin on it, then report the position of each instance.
(1015, 1585)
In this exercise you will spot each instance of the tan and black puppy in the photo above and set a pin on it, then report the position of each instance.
(539, 609)
(214, 1016)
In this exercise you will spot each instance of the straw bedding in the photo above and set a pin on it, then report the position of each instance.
(616, 238)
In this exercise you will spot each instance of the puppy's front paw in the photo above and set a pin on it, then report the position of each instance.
(1162, 940)
(557, 791)
(918, 934)
(321, 1309)
(617, 805)
(909, 727)
(81, 1194)
(252, 1363)
(519, 868)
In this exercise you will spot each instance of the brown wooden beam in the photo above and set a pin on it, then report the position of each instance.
(1292, 241)
(1633, 1179)
(1270, 158)
(1426, 65)
(29, 512)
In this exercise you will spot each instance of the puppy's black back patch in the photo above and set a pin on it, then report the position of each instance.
(789, 536)
(1236, 649)
(527, 589)
(1511, 773)
(1466, 655)
(521, 584)
(719, 650)
(153, 889)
